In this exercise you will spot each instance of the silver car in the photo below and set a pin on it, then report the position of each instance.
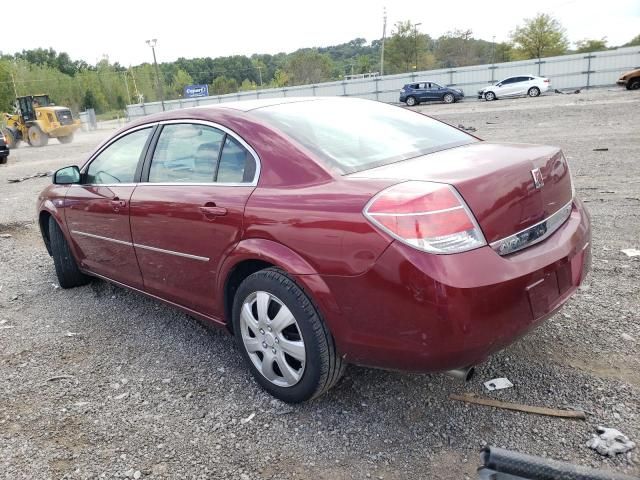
(516, 86)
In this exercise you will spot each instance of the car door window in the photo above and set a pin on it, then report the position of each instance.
(119, 161)
(508, 81)
(186, 153)
(237, 165)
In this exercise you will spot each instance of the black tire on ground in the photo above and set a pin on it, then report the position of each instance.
(448, 98)
(66, 139)
(3, 160)
(411, 101)
(633, 84)
(67, 271)
(323, 365)
(12, 139)
(37, 138)
(534, 92)
(489, 96)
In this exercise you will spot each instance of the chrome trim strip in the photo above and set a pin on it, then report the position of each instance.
(171, 252)
(91, 235)
(552, 223)
(444, 210)
(145, 247)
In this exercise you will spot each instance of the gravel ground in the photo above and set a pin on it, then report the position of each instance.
(101, 382)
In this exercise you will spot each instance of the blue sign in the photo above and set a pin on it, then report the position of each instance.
(192, 91)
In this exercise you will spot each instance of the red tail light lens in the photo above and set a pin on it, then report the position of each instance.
(431, 217)
(546, 80)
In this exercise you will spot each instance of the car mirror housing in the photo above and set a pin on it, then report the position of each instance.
(67, 175)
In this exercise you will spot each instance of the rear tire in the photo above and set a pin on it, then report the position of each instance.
(534, 92)
(489, 96)
(448, 98)
(67, 271)
(66, 139)
(411, 101)
(633, 84)
(37, 137)
(320, 366)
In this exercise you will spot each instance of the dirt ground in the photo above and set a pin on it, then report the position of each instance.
(100, 382)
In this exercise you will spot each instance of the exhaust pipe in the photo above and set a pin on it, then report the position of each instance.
(463, 374)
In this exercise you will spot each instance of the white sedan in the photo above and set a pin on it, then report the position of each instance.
(516, 86)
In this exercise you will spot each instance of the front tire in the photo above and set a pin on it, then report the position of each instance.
(67, 271)
(489, 96)
(283, 338)
(66, 139)
(534, 92)
(37, 137)
(634, 84)
(411, 101)
(12, 139)
(448, 98)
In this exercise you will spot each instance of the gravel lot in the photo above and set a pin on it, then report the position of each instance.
(102, 382)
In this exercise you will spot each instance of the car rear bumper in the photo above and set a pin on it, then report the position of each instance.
(420, 312)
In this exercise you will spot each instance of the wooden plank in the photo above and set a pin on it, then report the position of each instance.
(490, 402)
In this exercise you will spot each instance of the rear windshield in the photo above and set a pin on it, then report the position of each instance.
(351, 135)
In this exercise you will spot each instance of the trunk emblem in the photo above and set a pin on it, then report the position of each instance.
(538, 181)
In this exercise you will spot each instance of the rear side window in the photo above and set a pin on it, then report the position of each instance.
(186, 153)
(237, 165)
(119, 161)
(351, 135)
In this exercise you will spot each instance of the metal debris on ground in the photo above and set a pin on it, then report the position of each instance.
(631, 252)
(498, 384)
(490, 402)
(466, 129)
(567, 93)
(604, 149)
(35, 175)
(5, 235)
(610, 442)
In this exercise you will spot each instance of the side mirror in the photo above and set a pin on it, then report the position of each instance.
(67, 175)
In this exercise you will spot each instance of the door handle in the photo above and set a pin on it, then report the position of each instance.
(211, 210)
(117, 204)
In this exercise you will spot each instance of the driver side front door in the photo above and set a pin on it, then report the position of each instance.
(97, 210)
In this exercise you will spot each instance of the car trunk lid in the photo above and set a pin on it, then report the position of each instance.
(508, 187)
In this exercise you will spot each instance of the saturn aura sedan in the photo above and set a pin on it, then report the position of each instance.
(326, 231)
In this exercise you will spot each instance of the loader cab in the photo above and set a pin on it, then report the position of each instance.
(25, 107)
(28, 104)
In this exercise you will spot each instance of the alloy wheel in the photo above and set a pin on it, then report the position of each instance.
(272, 338)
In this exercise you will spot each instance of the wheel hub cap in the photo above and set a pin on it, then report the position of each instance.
(272, 338)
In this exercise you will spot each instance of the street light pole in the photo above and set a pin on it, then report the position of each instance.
(384, 34)
(152, 43)
(415, 42)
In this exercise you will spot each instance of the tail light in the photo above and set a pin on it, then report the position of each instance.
(546, 80)
(428, 216)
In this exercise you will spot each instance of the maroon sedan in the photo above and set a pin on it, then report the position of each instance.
(326, 231)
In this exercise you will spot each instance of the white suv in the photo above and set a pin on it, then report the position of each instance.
(516, 86)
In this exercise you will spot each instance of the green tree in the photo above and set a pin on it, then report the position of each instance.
(540, 36)
(222, 85)
(585, 46)
(180, 80)
(404, 45)
(308, 66)
(248, 85)
(634, 41)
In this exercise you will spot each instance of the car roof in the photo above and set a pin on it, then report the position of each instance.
(248, 105)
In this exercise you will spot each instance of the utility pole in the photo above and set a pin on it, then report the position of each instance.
(493, 58)
(15, 90)
(139, 97)
(152, 43)
(384, 35)
(260, 73)
(415, 43)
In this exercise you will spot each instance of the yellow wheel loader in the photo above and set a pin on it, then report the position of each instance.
(36, 120)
